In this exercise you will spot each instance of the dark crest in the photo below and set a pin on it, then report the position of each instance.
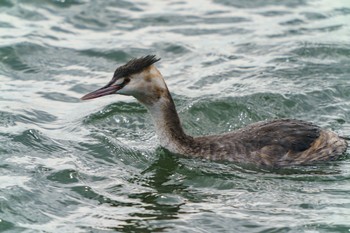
(135, 66)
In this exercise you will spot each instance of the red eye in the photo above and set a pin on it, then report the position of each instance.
(126, 80)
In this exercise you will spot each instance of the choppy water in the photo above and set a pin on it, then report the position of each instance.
(72, 166)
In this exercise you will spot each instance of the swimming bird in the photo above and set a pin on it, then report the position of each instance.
(275, 143)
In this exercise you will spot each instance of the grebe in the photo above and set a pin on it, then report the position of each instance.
(275, 143)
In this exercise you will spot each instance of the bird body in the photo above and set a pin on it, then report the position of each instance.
(276, 143)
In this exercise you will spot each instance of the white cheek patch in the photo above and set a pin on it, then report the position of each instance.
(119, 81)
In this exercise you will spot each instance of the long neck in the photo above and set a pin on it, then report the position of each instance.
(167, 124)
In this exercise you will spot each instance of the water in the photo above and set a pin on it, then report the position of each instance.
(94, 166)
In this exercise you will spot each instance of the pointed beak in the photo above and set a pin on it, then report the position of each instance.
(106, 90)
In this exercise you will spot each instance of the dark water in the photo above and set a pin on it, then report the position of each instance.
(72, 166)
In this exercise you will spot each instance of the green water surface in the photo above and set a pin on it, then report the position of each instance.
(95, 166)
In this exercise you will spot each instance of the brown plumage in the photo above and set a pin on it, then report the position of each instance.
(276, 143)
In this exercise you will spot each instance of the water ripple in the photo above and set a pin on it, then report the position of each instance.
(94, 166)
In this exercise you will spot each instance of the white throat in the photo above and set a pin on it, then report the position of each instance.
(161, 122)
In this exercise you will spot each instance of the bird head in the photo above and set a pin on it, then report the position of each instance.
(138, 78)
